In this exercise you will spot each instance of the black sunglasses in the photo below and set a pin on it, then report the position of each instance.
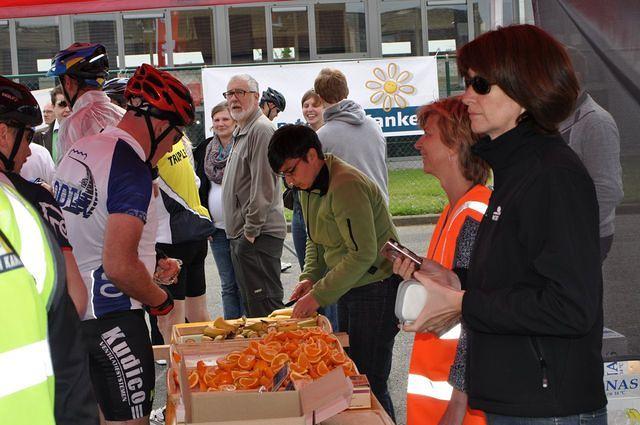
(62, 104)
(480, 85)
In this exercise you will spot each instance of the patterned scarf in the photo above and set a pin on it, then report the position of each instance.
(215, 159)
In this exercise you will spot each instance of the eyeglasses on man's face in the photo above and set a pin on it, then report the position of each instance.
(480, 85)
(62, 104)
(238, 93)
(290, 171)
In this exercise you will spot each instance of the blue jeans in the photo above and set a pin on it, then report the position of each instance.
(367, 314)
(231, 299)
(597, 417)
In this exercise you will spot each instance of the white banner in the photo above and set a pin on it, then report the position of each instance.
(390, 90)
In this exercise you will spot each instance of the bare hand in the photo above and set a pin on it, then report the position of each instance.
(439, 274)
(404, 267)
(301, 289)
(456, 409)
(305, 307)
(443, 306)
(167, 271)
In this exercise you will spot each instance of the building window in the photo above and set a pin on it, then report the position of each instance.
(5, 49)
(248, 35)
(340, 28)
(98, 29)
(401, 28)
(482, 16)
(145, 37)
(448, 26)
(290, 33)
(38, 41)
(192, 32)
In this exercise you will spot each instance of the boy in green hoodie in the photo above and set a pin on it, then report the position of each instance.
(347, 221)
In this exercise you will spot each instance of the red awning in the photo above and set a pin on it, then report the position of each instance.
(33, 8)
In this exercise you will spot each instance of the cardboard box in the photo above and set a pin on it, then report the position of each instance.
(319, 400)
(361, 398)
(191, 333)
(622, 384)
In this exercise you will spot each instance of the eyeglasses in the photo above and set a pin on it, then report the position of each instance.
(290, 171)
(480, 85)
(238, 93)
(62, 104)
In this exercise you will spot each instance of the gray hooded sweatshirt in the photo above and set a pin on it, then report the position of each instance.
(357, 139)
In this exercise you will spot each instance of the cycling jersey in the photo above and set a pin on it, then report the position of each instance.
(182, 218)
(43, 202)
(105, 174)
(92, 112)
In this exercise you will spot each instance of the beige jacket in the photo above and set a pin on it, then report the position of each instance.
(251, 195)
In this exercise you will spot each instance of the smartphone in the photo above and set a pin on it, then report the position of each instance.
(392, 249)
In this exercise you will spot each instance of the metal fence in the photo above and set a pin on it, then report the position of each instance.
(401, 152)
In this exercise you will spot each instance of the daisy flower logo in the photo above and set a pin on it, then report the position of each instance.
(389, 87)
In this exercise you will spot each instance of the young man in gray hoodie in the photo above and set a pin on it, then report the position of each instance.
(348, 132)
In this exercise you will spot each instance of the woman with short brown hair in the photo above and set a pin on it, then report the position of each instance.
(532, 297)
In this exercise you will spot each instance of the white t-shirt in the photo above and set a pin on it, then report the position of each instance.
(92, 113)
(100, 175)
(215, 205)
(39, 165)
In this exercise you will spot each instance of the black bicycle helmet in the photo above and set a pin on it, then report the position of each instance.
(275, 97)
(115, 88)
(19, 109)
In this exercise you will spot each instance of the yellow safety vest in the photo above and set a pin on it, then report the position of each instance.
(27, 270)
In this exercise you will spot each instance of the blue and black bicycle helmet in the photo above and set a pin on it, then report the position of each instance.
(275, 97)
(86, 62)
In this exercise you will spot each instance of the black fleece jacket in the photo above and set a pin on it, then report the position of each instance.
(533, 304)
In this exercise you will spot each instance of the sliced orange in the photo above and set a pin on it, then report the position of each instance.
(314, 360)
(296, 368)
(176, 357)
(201, 367)
(297, 334)
(269, 373)
(279, 360)
(236, 374)
(246, 361)
(315, 331)
(322, 368)
(227, 387)
(226, 364)
(299, 376)
(313, 373)
(349, 368)
(311, 350)
(290, 347)
(223, 378)
(265, 381)
(260, 365)
(303, 361)
(193, 379)
(322, 345)
(247, 383)
(267, 353)
(233, 356)
(275, 345)
(337, 357)
(252, 348)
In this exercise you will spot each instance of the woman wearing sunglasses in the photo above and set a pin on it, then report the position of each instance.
(531, 299)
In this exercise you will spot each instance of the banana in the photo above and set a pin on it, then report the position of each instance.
(290, 327)
(219, 338)
(212, 332)
(282, 312)
(257, 326)
(308, 323)
(220, 323)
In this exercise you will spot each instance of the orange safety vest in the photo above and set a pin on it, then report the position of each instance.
(428, 391)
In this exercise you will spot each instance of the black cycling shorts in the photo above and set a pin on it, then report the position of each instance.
(191, 280)
(121, 364)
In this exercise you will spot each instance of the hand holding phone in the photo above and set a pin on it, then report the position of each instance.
(393, 250)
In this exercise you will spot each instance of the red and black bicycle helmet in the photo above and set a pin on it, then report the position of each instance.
(164, 95)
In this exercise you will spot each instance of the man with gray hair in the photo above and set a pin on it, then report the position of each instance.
(252, 203)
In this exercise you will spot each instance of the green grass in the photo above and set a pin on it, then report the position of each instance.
(412, 192)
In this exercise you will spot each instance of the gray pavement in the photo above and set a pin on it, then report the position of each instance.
(621, 297)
